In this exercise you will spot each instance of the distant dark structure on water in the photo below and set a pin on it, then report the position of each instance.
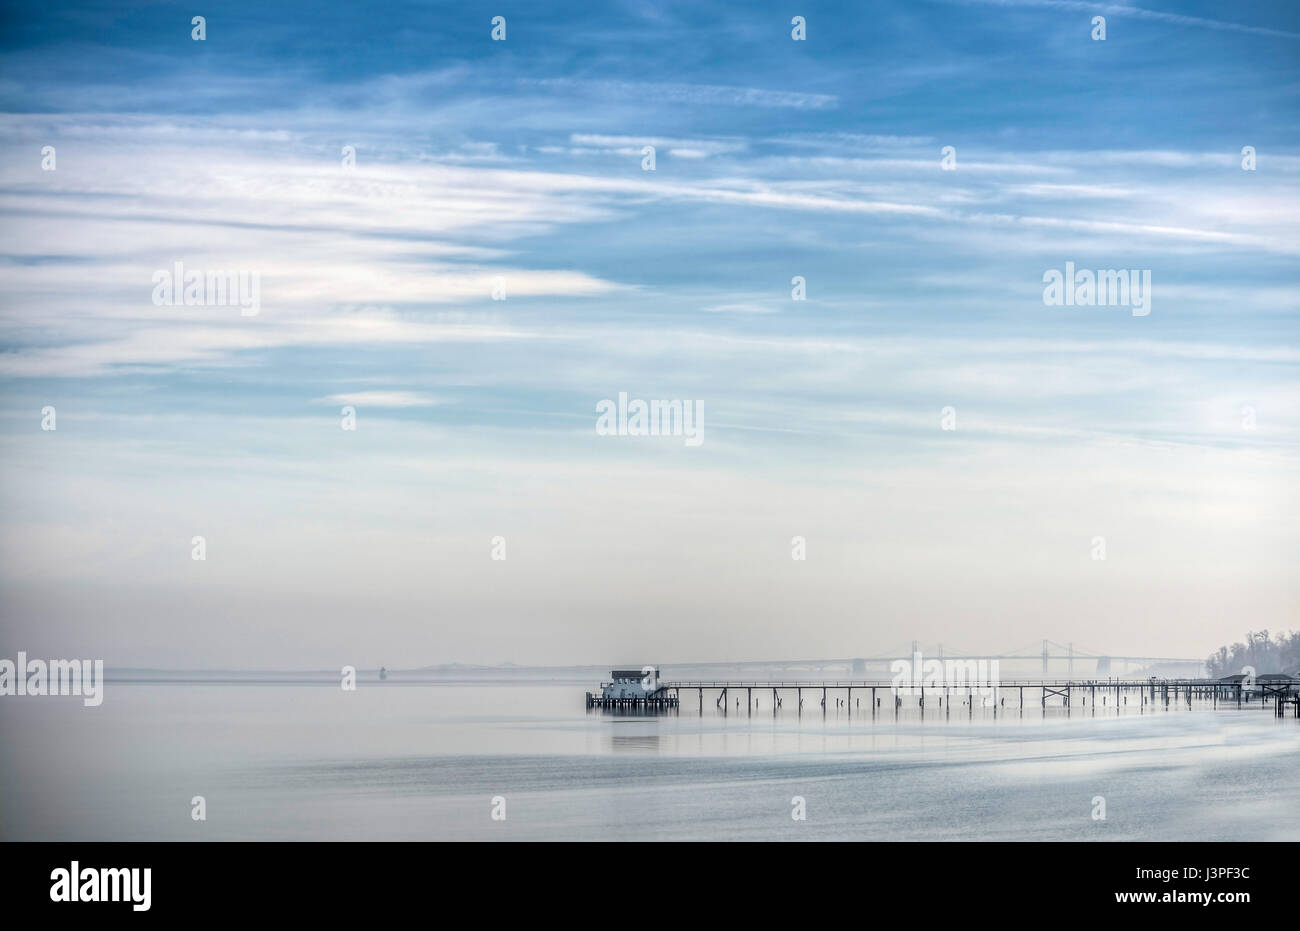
(633, 688)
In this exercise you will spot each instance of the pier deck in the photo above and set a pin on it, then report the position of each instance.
(1091, 693)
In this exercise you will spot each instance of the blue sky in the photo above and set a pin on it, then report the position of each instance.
(522, 160)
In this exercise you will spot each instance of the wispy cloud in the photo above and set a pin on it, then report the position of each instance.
(746, 308)
(397, 399)
(632, 145)
(702, 95)
(1115, 9)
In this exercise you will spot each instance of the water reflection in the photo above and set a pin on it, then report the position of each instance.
(633, 711)
(636, 743)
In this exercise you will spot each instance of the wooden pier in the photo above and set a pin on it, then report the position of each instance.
(663, 702)
(1107, 694)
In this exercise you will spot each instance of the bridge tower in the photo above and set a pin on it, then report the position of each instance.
(1044, 659)
(1070, 674)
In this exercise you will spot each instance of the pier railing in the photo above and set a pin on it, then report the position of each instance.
(1001, 684)
(1281, 692)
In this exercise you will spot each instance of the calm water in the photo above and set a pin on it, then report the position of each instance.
(423, 762)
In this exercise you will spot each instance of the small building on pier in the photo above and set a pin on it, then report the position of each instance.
(632, 685)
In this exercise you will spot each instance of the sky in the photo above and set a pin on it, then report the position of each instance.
(518, 166)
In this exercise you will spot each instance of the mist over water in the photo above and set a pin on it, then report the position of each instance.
(424, 762)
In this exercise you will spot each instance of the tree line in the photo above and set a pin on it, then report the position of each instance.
(1279, 653)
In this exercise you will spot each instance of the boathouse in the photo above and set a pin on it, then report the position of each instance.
(638, 688)
(631, 684)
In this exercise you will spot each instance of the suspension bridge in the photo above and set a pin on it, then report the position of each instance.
(1047, 655)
